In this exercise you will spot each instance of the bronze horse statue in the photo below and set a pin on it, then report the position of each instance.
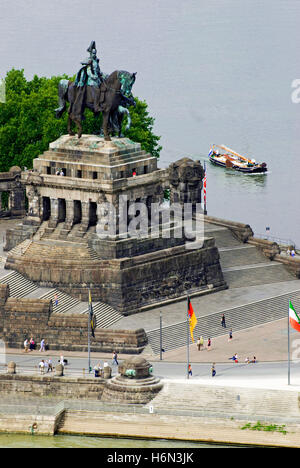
(114, 91)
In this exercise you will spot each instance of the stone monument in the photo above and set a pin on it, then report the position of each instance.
(96, 215)
(72, 191)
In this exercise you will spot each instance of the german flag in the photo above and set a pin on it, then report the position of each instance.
(192, 318)
(92, 317)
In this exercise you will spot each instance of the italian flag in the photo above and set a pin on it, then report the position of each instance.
(294, 318)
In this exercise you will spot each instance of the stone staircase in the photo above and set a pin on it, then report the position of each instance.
(41, 231)
(210, 399)
(125, 157)
(65, 303)
(21, 287)
(21, 248)
(243, 266)
(59, 250)
(105, 315)
(238, 318)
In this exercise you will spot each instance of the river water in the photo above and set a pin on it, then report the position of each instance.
(211, 71)
(60, 441)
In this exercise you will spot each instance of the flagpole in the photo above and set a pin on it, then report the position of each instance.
(160, 335)
(188, 338)
(89, 335)
(204, 191)
(289, 363)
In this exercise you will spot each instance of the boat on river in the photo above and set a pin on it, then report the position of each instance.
(221, 155)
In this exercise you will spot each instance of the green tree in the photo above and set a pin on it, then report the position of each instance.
(28, 123)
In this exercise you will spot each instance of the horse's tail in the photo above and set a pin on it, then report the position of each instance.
(62, 97)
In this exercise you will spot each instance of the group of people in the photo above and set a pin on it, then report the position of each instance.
(200, 341)
(60, 172)
(235, 358)
(46, 366)
(291, 252)
(98, 369)
(30, 345)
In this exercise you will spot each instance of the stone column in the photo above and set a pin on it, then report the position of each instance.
(17, 202)
(54, 213)
(33, 217)
(69, 221)
(85, 221)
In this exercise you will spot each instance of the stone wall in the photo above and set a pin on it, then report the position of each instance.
(22, 318)
(50, 386)
(128, 284)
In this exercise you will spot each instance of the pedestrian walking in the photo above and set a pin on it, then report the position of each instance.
(42, 366)
(213, 370)
(115, 358)
(200, 343)
(230, 335)
(31, 344)
(223, 321)
(190, 370)
(208, 344)
(43, 346)
(56, 300)
(26, 346)
(50, 365)
(62, 360)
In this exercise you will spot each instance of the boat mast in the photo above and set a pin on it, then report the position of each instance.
(236, 154)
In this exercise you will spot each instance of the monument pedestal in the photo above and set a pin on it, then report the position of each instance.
(78, 247)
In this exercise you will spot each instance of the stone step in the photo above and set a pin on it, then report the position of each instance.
(60, 250)
(21, 248)
(209, 398)
(65, 302)
(223, 237)
(19, 286)
(252, 275)
(105, 315)
(238, 256)
(41, 231)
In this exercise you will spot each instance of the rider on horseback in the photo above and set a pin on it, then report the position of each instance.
(91, 75)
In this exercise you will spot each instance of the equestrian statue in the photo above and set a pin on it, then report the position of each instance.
(92, 89)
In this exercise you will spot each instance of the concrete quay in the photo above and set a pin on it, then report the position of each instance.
(199, 409)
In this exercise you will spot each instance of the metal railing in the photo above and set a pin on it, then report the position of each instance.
(278, 240)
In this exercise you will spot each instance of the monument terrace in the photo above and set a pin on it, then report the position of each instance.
(67, 191)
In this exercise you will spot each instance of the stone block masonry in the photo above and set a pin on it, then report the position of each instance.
(21, 318)
(72, 244)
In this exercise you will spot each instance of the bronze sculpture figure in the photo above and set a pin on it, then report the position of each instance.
(95, 91)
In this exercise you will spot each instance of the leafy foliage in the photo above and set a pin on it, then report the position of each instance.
(28, 123)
